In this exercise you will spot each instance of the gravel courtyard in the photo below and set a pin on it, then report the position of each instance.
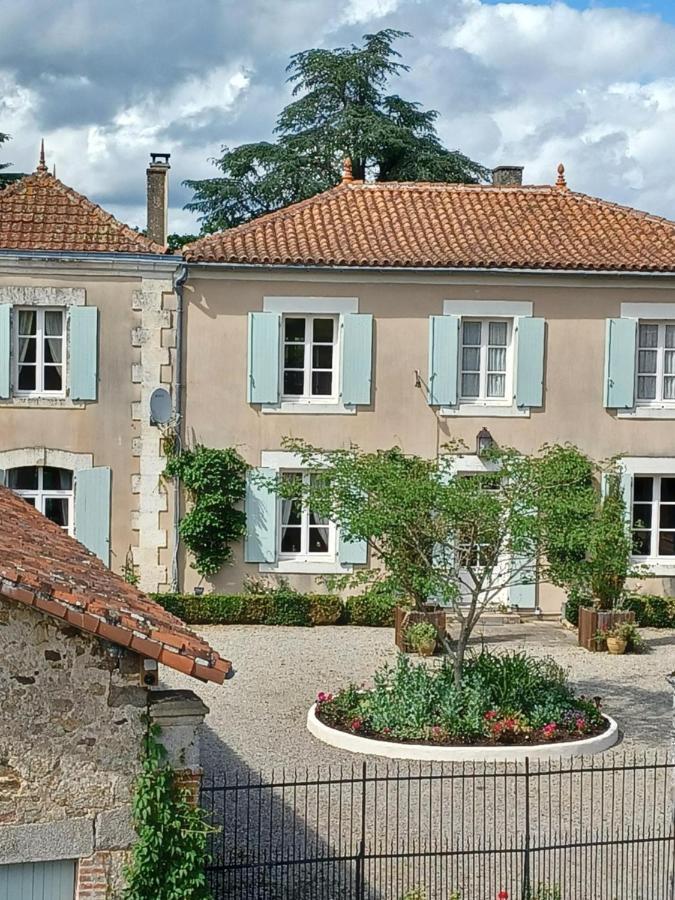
(257, 719)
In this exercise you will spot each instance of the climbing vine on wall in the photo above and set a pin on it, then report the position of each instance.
(168, 860)
(215, 482)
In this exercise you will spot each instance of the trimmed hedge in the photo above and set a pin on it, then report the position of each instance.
(651, 610)
(281, 608)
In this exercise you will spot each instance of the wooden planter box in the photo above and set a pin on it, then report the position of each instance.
(592, 620)
(404, 618)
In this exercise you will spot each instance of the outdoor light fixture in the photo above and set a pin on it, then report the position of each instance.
(199, 590)
(484, 441)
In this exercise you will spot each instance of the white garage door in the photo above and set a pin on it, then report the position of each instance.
(38, 881)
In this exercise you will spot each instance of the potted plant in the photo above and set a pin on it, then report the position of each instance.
(616, 639)
(422, 637)
(627, 632)
(600, 640)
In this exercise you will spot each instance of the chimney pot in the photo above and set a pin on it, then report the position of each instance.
(507, 176)
(158, 197)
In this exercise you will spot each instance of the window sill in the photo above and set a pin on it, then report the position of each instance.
(308, 408)
(486, 410)
(660, 567)
(647, 412)
(43, 401)
(304, 567)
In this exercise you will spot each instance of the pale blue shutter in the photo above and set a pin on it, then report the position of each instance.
(263, 357)
(92, 510)
(357, 358)
(530, 363)
(38, 881)
(5, 343)
(260, 544)
(83, 352)
(523, 591)
(443, 361)
(620, 337)
(352, 552)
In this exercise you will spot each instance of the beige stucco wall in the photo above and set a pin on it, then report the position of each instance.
(575, 308)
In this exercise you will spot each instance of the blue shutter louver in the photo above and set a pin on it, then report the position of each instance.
(92, 510)
(523, 590)
(5, 356)
(263, 357)
(530, 363)
(620, 337)
(443, 360)
(83, 352)
(260, 544)
(357, 358)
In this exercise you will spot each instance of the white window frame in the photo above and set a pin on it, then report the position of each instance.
(39, 350)
(655, 530)
(482, 399)
(659, 402)
(305, 556)
(307, 397)
(40, 496)
(646, 466)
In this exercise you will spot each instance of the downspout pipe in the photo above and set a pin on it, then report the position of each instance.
(179, 280)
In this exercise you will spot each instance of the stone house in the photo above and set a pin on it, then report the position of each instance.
(412, 314)
(80, 653)
(86, 335)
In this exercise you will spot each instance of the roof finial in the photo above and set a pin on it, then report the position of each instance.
(42, 166)
(347, 175)
(560, 182)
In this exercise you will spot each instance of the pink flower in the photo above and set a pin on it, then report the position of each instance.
(356, 724)
(549, 730)
(323, 698)
(581, 723)
(503, 895)
(491, 714)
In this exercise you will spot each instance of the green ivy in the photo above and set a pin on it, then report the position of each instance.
(169, 858)
(215, 481)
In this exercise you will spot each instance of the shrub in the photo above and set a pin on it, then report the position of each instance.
(325, 609)
(374, 607)
(421, 633)
(651, 610)
(575, 600)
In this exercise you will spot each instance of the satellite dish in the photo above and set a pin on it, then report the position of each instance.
(160, 407)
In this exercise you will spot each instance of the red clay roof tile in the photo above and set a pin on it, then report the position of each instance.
(426, 225)
(41, 566)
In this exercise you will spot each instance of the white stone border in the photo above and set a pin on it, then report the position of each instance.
(434, 753)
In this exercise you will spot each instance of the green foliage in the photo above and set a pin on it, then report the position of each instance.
(502, 697)
(421, 633)
(651, 610)
(374, 607)
(169, 857)
(628, 632)
(3, 139)
(325, 609)
(340, 108)
(176, 242)
(215, 483)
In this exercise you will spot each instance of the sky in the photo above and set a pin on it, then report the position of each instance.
(589, 84)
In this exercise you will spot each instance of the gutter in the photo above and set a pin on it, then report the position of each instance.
(179, 280)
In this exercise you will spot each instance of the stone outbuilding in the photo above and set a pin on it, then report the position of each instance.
(80, 651)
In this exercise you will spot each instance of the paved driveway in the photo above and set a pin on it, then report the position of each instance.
(257, 719)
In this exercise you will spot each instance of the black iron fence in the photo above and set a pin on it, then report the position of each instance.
(583, 829)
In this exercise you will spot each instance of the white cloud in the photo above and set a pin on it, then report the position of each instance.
(359, 11)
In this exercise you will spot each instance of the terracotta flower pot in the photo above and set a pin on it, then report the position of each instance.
(616, 645)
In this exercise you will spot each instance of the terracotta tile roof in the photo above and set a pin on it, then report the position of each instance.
(41, 566)
(449, 225)
(39, 212)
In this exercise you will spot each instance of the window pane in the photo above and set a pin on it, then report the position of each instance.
(294, 356)
(470, 385)
(27, 378)
(53, 322)
(53, 380)
(27, 350)
(323, 330)
(667, 516)
(646, 387)
(25, 478)
(497, 359)
(647, 361)
(642, 543)
(53, 348)
(294, 383)
(642, 515)
(290, 540)
(322, 384)
(294, 329)
(56, 479)
(496, 386)
(669, 388)
(649, 336)
(669, 362)
(318, 540)
(56, 509)
(497, 334)
(316, 519)
(27, 322)
(667, 543)
(668, 489)
(670, 335)
(643, 488)
(471, 359)
(471, 332)
(322, 357)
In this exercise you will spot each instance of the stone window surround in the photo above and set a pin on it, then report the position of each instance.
(25, 296)
(43, 456)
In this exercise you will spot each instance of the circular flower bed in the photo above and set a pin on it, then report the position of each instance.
(504, 699)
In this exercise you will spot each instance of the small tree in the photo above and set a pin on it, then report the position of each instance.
(437, 534)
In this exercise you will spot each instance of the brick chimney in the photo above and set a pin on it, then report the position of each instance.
(158, 196)
(507, 176)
